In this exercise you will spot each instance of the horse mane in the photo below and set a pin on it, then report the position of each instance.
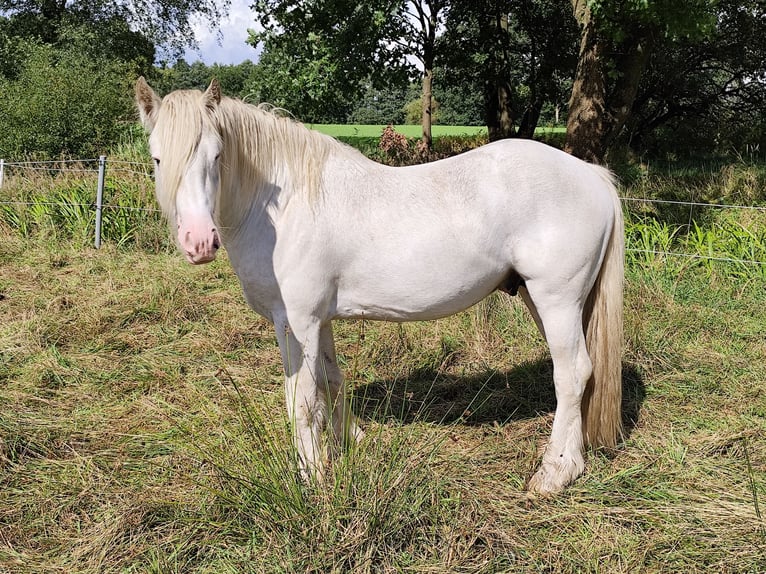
(273, 149)
(181, 115)
(261, 148)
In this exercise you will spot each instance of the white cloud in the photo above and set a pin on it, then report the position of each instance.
(226, 45)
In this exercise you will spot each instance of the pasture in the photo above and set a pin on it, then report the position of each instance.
(142, 426)
(411, 131)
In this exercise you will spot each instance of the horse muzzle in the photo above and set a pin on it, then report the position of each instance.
(199, 246)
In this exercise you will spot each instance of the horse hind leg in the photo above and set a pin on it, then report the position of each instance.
(532, 309)
(514, 284)
(563, 457)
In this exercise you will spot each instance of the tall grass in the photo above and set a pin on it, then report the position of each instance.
(381, 504)
(674, 217)
(703, 220)
(142, 425)
(60, 204)
(142, 429)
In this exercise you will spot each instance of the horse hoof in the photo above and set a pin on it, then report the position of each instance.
(551, 478)
(543, 486)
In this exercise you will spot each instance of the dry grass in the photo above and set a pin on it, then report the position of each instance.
(142, 430)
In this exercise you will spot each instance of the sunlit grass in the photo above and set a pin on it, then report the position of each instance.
(142, 425)
(411, 131)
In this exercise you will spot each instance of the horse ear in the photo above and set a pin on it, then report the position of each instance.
(213, 94)
(148, 104)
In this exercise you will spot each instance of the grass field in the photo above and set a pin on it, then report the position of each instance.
(411, 131)
(142, 427)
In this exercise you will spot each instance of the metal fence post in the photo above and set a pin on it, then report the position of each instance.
(2, 172)
(100, 198)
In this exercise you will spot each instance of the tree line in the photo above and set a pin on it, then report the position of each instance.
(657, 77)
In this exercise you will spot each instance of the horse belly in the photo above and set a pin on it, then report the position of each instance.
(416, 289)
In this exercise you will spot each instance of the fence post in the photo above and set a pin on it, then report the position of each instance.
(100, 198)
(2, 172)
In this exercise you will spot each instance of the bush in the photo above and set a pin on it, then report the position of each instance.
(63, 103)
(396, 149)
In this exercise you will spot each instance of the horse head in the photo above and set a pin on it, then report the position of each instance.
(186, 149)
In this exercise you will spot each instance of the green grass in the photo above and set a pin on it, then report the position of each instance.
(142, 430)
(142, 425)
(61, 206)
(411, 131)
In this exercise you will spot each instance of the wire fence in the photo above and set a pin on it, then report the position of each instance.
(97, 168)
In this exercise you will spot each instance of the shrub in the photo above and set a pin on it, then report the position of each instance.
(63, 103)
(452, 145)
(394, 146)
(396, 149)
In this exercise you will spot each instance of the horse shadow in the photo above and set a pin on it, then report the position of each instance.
(481, 398)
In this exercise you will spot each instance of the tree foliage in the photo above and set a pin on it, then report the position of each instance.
(235, 80)
(165, 24)
(66, 67)
(108, 37)
(63, 102)
(709, 92)
(507, 51)
(319, 56)
(656, 75)
(626, 67)
(381, 106)
(616, 42)
(331, 50)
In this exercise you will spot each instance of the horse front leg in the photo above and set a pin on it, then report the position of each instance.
(346, 430)
(307, 408)
(315, 394)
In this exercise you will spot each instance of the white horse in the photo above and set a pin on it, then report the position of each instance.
(316, 232)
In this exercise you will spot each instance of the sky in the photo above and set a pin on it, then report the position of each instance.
(229, 46)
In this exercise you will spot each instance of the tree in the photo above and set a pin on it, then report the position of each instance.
(505, 49)
(420, 21)
(380, 106)
(165, 24)
(616, 40)
(107, 38)
(63, 102)
(66, 67)
(304, 78)
(234, 79)
(319, 56)
(701, 95)
(460, 104)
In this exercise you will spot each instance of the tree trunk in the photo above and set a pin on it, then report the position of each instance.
(586, 123)
(428, 78)
(427, 12)
(631, 65)
(530, 118)
(598, 113)
(499, 115)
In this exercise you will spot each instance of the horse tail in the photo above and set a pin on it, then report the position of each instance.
(602, 323)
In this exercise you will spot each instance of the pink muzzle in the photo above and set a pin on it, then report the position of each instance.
(199, 240)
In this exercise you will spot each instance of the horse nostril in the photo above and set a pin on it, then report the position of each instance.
(216, 241)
